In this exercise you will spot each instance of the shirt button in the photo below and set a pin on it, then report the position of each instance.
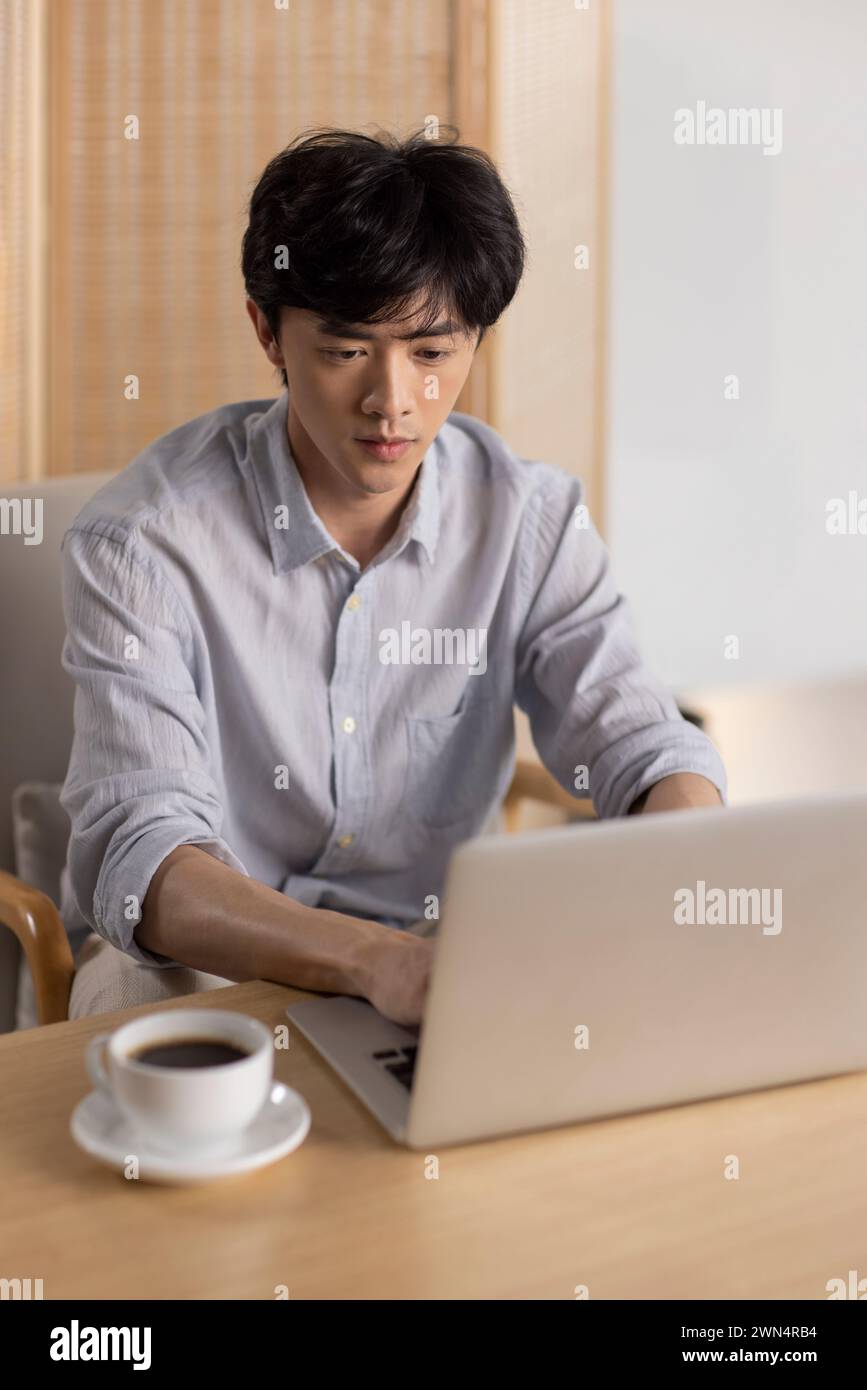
(353, 602)
(345, 841)
(349, 724)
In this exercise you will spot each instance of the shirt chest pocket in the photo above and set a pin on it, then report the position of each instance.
(451, 764)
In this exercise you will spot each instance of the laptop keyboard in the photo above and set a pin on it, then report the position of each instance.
(400, 1061)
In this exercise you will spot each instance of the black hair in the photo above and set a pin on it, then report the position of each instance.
(355, 226)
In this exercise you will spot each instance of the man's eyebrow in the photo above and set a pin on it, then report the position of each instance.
(332, 328)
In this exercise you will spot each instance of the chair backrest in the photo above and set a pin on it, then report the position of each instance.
(36, 695)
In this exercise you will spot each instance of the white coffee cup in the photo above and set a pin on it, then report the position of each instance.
(185, 1107)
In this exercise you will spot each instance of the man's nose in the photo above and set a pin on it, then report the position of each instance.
(390, 392)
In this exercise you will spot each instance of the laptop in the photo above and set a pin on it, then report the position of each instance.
(623, 965)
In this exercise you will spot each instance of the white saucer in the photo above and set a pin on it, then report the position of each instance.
(101, 1129)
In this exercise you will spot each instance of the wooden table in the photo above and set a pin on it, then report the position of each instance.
(633, 1207)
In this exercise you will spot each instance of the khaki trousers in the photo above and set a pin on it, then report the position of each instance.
(107, 979)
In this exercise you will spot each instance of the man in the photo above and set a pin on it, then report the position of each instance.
(298, 627)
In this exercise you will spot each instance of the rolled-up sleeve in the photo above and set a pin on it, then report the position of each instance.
(590, 699)
(138, 783)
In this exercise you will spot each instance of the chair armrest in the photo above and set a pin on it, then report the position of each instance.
(34, 919)
(533, 782)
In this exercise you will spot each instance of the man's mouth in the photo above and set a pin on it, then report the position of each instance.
(385, 450)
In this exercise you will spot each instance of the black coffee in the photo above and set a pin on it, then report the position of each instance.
(189, 1052)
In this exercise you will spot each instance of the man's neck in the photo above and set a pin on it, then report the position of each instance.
(363, 536)
(361, 524)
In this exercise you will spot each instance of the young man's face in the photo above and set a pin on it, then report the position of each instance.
(350, 381)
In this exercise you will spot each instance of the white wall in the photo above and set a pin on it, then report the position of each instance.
(725, 260)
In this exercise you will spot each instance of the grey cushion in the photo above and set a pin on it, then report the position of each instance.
(40, 834)
(36, 695)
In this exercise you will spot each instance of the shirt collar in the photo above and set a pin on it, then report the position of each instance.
(296, 534)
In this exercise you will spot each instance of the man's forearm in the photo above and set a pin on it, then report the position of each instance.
(202, 913)
(678, 792)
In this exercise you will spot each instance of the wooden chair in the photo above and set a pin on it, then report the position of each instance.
(36, 922)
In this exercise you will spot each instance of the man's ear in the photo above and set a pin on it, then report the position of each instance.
(263, 332)
(253, 310)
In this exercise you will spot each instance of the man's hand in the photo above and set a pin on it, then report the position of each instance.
(397, 975)
(679, 792)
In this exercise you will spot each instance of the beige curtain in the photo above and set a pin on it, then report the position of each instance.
(547, 131)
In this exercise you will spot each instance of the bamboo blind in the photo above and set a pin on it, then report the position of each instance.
(22, 200)
(139, 280)
(144, 275)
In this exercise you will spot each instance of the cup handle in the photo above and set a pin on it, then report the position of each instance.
(94, 1062)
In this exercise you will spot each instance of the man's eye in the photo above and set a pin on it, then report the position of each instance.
(349, 354)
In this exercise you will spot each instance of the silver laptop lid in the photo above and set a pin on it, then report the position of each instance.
(635, 963)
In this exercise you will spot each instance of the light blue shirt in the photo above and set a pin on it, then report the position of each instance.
(243, 685)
